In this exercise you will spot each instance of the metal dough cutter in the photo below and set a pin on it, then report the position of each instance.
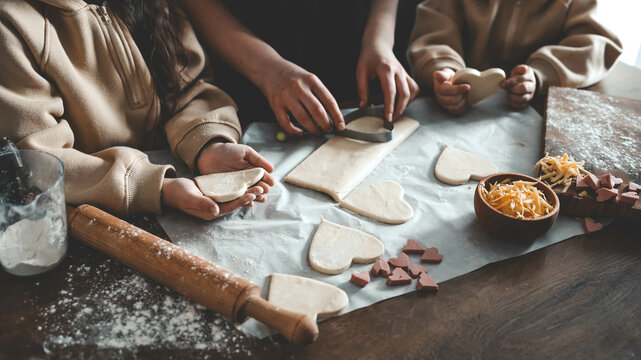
(367, 136)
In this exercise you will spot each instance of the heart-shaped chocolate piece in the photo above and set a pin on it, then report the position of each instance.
(360, 279)
(591, 225)
(482, 84)
(334, 248)
(399, 277)
(382, 201)
(306, 296)
(431, 255)
(413, 247)
(457, 167)
(417, 269)
(402, 261)
(223, 187)
(425, 282)
(381, 268)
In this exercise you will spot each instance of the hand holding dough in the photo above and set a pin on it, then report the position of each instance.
(482, 84)
(382, 201)
(223, 187)
(457, 167)
(306, 296)
(334, 248)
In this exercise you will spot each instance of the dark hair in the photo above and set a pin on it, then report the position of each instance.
(153, 26)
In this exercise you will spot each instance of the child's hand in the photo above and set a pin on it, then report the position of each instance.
(451, 97)
(219, 157)
(184, 195)
(520, 86)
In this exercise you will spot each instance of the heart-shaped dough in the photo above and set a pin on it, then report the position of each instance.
(223, 187)
(306, 296)
(334, 248)
(457, 167)
(382, 201)
(482, 84)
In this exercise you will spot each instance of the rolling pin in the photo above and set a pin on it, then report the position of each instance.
(200, 280)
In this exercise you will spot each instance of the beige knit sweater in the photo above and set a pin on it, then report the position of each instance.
(559, 39)
(73, 83)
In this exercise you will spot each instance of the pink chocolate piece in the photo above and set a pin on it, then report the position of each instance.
(580, 183)
(431, 255)
(592, 181)
(402, 261)
(617, 181)
(425, 282)
(360, 279)
(381, 268)
(604, 194)
(607, 181)
(416, 270)
(629, 198)
(398, 277)
(591, 225)
(413, 247)
(633, 186)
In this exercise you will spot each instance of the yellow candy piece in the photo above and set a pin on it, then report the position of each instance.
(281, 136)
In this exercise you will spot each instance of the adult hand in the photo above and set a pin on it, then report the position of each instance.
(399, 89)
(452, 98)
(184, 195)
(520, 86)
(219, 157)
(291, 89)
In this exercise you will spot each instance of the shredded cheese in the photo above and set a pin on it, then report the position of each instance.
(559, 170)
(520, 199)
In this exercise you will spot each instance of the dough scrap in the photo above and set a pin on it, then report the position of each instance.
(482, 84)
(382, 201)
(223, 187)
(457, 167)
(306, 296)
(334, 247)
(339, 165)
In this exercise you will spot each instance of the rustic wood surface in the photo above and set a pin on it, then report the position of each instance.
(575, 299)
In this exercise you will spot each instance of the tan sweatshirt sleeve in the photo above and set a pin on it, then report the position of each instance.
(435, 42)
(583, 56)
(120, 180)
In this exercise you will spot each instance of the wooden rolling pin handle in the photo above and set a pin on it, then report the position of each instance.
(297, 328)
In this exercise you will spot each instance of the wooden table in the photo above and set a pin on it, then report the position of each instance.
(579, 298)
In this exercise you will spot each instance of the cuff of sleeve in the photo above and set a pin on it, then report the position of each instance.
(426, 75)
(198, 137)
(144, 183)
(545, 74)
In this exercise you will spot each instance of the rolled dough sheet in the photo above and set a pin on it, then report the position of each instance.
(457, 167)
(306, 296)
(228, 186)
(339, 165)
(382, 201)
(334, 247)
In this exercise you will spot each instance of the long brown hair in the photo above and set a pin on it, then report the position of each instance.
(153, 25)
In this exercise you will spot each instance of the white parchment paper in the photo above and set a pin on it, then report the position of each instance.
(275, 236)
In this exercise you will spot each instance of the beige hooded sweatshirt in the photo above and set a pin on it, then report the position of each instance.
(559, 39)
(73, 83)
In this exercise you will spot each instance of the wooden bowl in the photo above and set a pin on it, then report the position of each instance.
(504, 225)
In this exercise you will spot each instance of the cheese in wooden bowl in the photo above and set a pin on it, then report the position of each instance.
(515, 206)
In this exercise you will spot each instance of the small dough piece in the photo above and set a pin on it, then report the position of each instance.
(482, 84)
(334, 248)
(457, 167)
(223, 187)
(306, 296)
(382, 201)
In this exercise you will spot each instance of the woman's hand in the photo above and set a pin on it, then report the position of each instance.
(184, 195)
(399, 89)
(520, 86)
(452, 98)
(291, 89)
(219, 157)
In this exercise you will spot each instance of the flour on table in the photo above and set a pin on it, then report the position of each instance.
(334, 247)
(382, 201)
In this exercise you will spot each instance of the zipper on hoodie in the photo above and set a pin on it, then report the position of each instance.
(511, 28)
(129, 77)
